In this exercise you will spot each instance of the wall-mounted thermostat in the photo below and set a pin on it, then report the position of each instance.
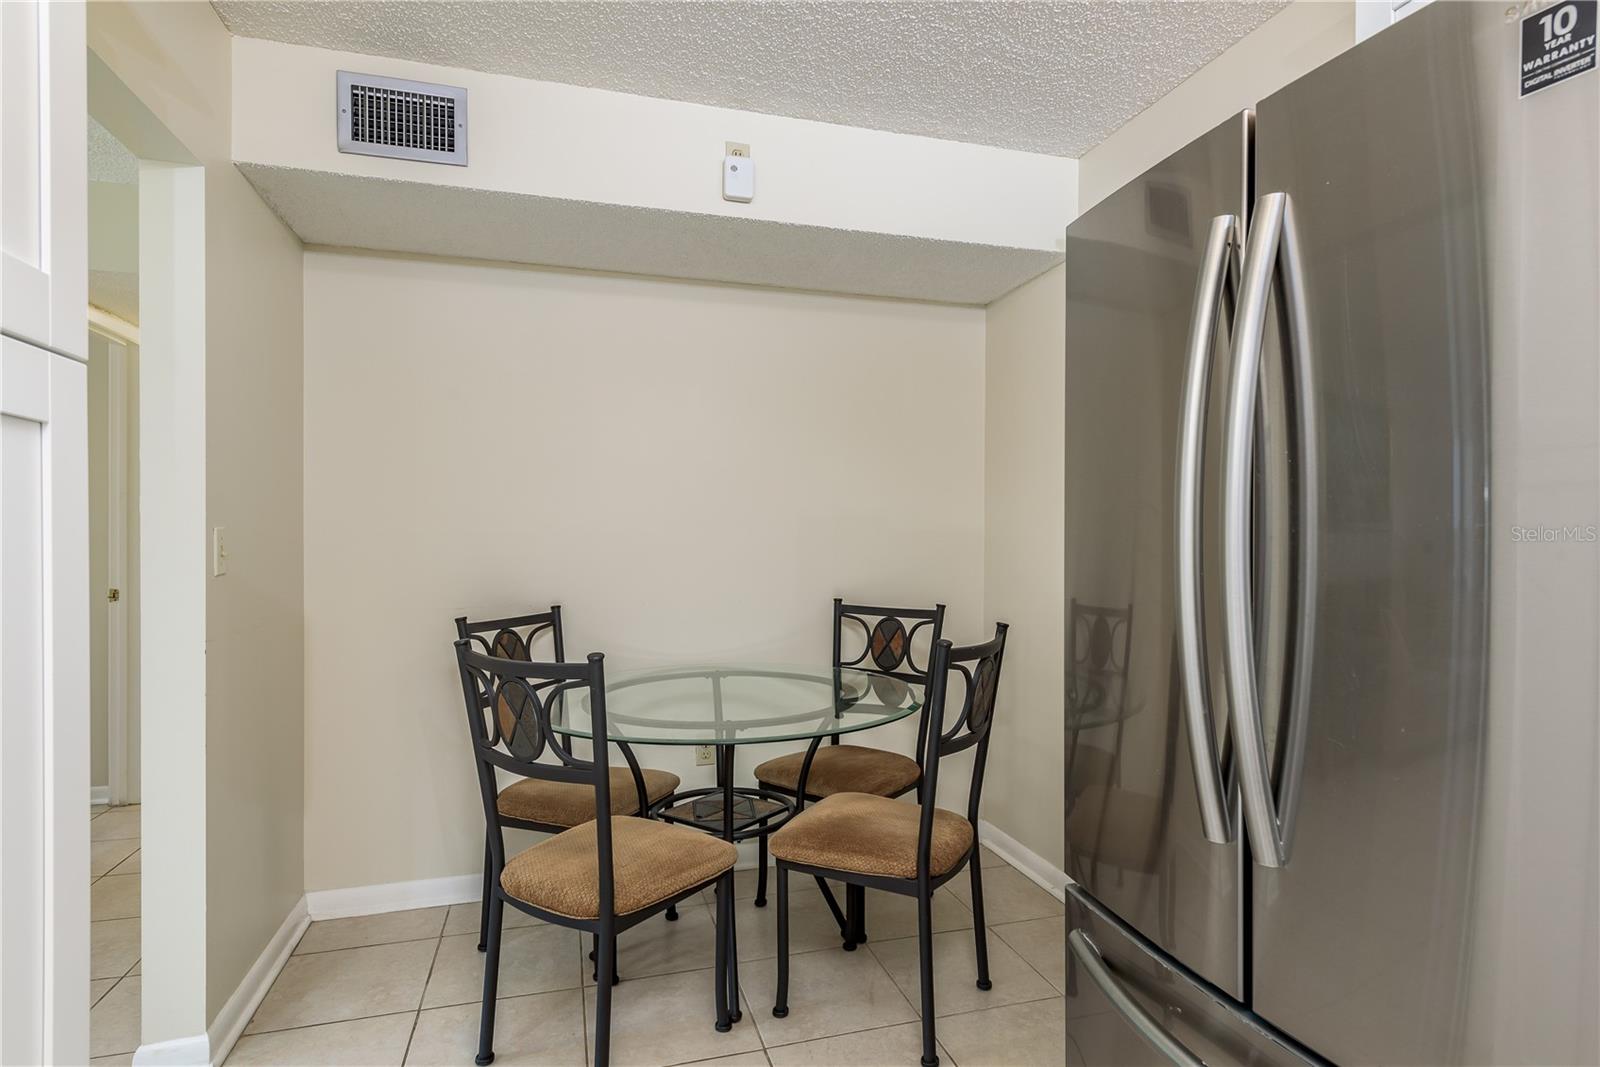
(738, 174)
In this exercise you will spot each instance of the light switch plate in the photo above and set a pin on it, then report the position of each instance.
(219, 551)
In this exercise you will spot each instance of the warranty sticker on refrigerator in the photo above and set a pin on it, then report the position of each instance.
(1557, 44)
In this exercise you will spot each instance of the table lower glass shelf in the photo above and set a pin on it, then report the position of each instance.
(705, 812)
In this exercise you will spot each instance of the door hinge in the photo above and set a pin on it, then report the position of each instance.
(113, 595)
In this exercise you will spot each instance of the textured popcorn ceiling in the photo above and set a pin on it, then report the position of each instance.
(109, 161)
(116, 291)
(1044, 77)
(398, 216)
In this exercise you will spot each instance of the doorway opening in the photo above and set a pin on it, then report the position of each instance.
(113, 469)
(115, 863)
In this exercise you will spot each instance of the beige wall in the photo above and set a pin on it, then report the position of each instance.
(693, 471)
(1299, 38)
(176, 59)
(1024, 436)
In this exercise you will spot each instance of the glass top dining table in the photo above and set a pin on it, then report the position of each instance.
(739, 705)
(728, 706)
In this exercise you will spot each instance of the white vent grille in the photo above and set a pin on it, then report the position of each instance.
(402, 119)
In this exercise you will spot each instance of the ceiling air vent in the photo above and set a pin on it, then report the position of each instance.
(402, 119)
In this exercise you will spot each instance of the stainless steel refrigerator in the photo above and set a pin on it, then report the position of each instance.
(1333, 480)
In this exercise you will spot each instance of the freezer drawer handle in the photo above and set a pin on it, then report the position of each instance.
(1271, 254)
(1214, 291)
(1141, 1020)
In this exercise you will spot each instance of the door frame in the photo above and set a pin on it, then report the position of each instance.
(119, 334)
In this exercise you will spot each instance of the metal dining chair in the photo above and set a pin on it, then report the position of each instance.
(872, 841)
(820, 771)
(602, 876)
(553, 806)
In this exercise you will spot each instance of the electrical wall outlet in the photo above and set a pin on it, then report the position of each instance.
(219, 551)
(735, 149)
(704, 755)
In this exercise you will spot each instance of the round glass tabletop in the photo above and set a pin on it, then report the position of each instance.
(701, 705)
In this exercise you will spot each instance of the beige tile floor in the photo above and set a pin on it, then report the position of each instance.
(404, 987)
(113, 934)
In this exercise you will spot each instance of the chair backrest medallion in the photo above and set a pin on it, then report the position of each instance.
(888, 646)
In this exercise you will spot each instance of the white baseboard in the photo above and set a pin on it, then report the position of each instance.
(213, 1046)
(394, 896)
(100, 794)
(1049, 877)
(252, 989)
(179, 1052)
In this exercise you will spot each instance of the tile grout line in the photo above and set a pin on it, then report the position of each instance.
(374, 944)
(990, 926)
(416, 1016)
(327, 1022)
(910, 1022)
(107, 993)
(114, 983)
(1000, 1007)
(1029, 963)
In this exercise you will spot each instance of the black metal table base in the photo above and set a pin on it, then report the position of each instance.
(739, 813)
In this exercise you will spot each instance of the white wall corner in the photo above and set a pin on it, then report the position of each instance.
(213, 1046)
(1049, 877)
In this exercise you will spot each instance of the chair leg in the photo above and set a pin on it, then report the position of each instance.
(606, 977)
(761, 871)
(491, 979)
(733, 958)
(930, 1045)
(980, 931)
(724, 896)
(483, 908)
(616, 975)
(855, 916)
(780, 1007)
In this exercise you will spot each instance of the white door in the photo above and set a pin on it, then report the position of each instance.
(44, 699)
(44, 218)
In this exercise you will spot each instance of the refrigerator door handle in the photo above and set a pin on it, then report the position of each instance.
(1214, 290)
(1143, 1023)
(1272, 253)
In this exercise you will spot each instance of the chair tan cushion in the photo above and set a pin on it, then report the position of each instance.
(571, 803)
(843, 769)
(651, 862)
(871, 835)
